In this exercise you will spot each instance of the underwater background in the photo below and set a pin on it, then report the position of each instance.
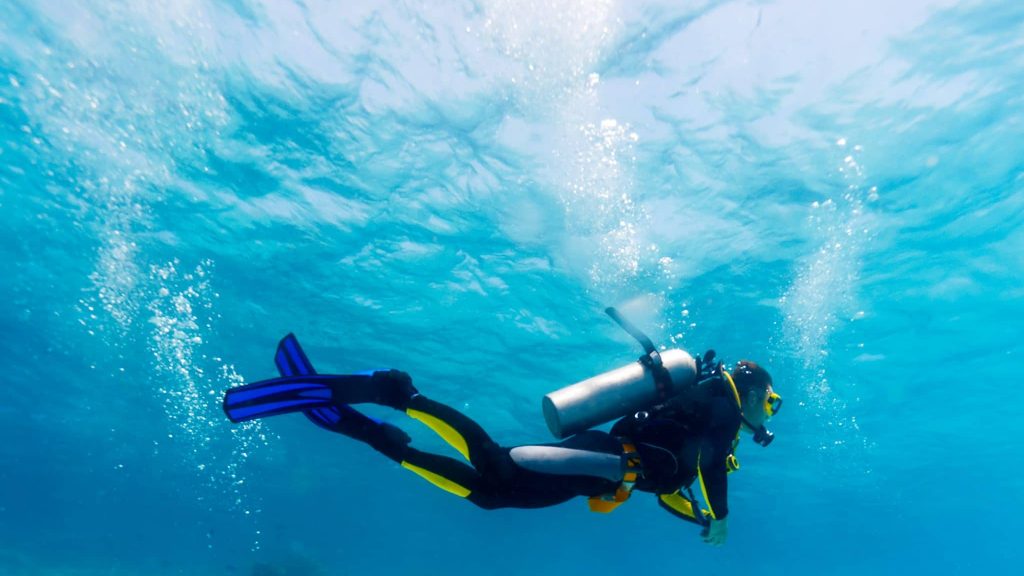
(458, 189)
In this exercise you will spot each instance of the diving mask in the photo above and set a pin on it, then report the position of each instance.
(772, 404)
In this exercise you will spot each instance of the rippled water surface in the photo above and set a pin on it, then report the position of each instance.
(458, 189)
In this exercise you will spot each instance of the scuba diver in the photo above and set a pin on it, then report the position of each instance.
(678, 423)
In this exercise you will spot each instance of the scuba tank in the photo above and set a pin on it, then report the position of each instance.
(654, 378)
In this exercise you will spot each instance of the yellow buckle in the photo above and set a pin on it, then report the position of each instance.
(607, 502)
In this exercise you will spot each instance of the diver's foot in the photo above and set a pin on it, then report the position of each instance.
(389, 440)
(393, 388)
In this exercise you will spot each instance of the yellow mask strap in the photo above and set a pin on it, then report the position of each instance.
(732, 385)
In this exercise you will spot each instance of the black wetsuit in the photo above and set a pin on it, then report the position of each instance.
(688, 440)
(661, 450)
(677, 443)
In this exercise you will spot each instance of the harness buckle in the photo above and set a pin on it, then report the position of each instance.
(605, 503)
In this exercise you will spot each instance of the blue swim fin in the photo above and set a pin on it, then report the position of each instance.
(301, 389)
(278, 396)
(291, 360)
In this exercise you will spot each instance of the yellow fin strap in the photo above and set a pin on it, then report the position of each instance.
(442, 429)
(438, 480)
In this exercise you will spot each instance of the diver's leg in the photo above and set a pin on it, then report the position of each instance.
(496, 479)
(588, 464)
(501, 484)
(325, 398)
(394, 388)
(344, 419)
(487, 483)
(444, 472)
(449, 474)
(463, 433)
(486, 490)
(584, 465)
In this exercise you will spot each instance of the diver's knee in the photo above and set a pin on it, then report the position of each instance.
(390, 441)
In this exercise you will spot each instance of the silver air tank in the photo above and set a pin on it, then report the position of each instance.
(615, 394)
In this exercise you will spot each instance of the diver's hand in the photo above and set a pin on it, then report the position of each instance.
(717, 532)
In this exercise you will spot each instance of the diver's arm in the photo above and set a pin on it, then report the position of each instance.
(715, 448)
(714, 484)
(712, 471)
(713, 475)
(683, 508)
(717, 532)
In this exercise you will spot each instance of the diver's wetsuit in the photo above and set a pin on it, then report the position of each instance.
(683, 440)
(688, 440)
(494, 480)
(677, 443)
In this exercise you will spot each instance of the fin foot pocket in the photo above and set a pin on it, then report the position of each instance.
(393, 388)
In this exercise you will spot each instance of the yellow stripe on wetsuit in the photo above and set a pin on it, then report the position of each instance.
(449, 435)
(438, 480)
(442, 429)
(704, 490)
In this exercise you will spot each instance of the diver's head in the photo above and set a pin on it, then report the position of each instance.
(758, 400)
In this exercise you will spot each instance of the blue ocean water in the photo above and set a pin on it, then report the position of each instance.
(458, 189)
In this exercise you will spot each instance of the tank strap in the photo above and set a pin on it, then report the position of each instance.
(662, 379)
(651, 358)
(605, 503)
